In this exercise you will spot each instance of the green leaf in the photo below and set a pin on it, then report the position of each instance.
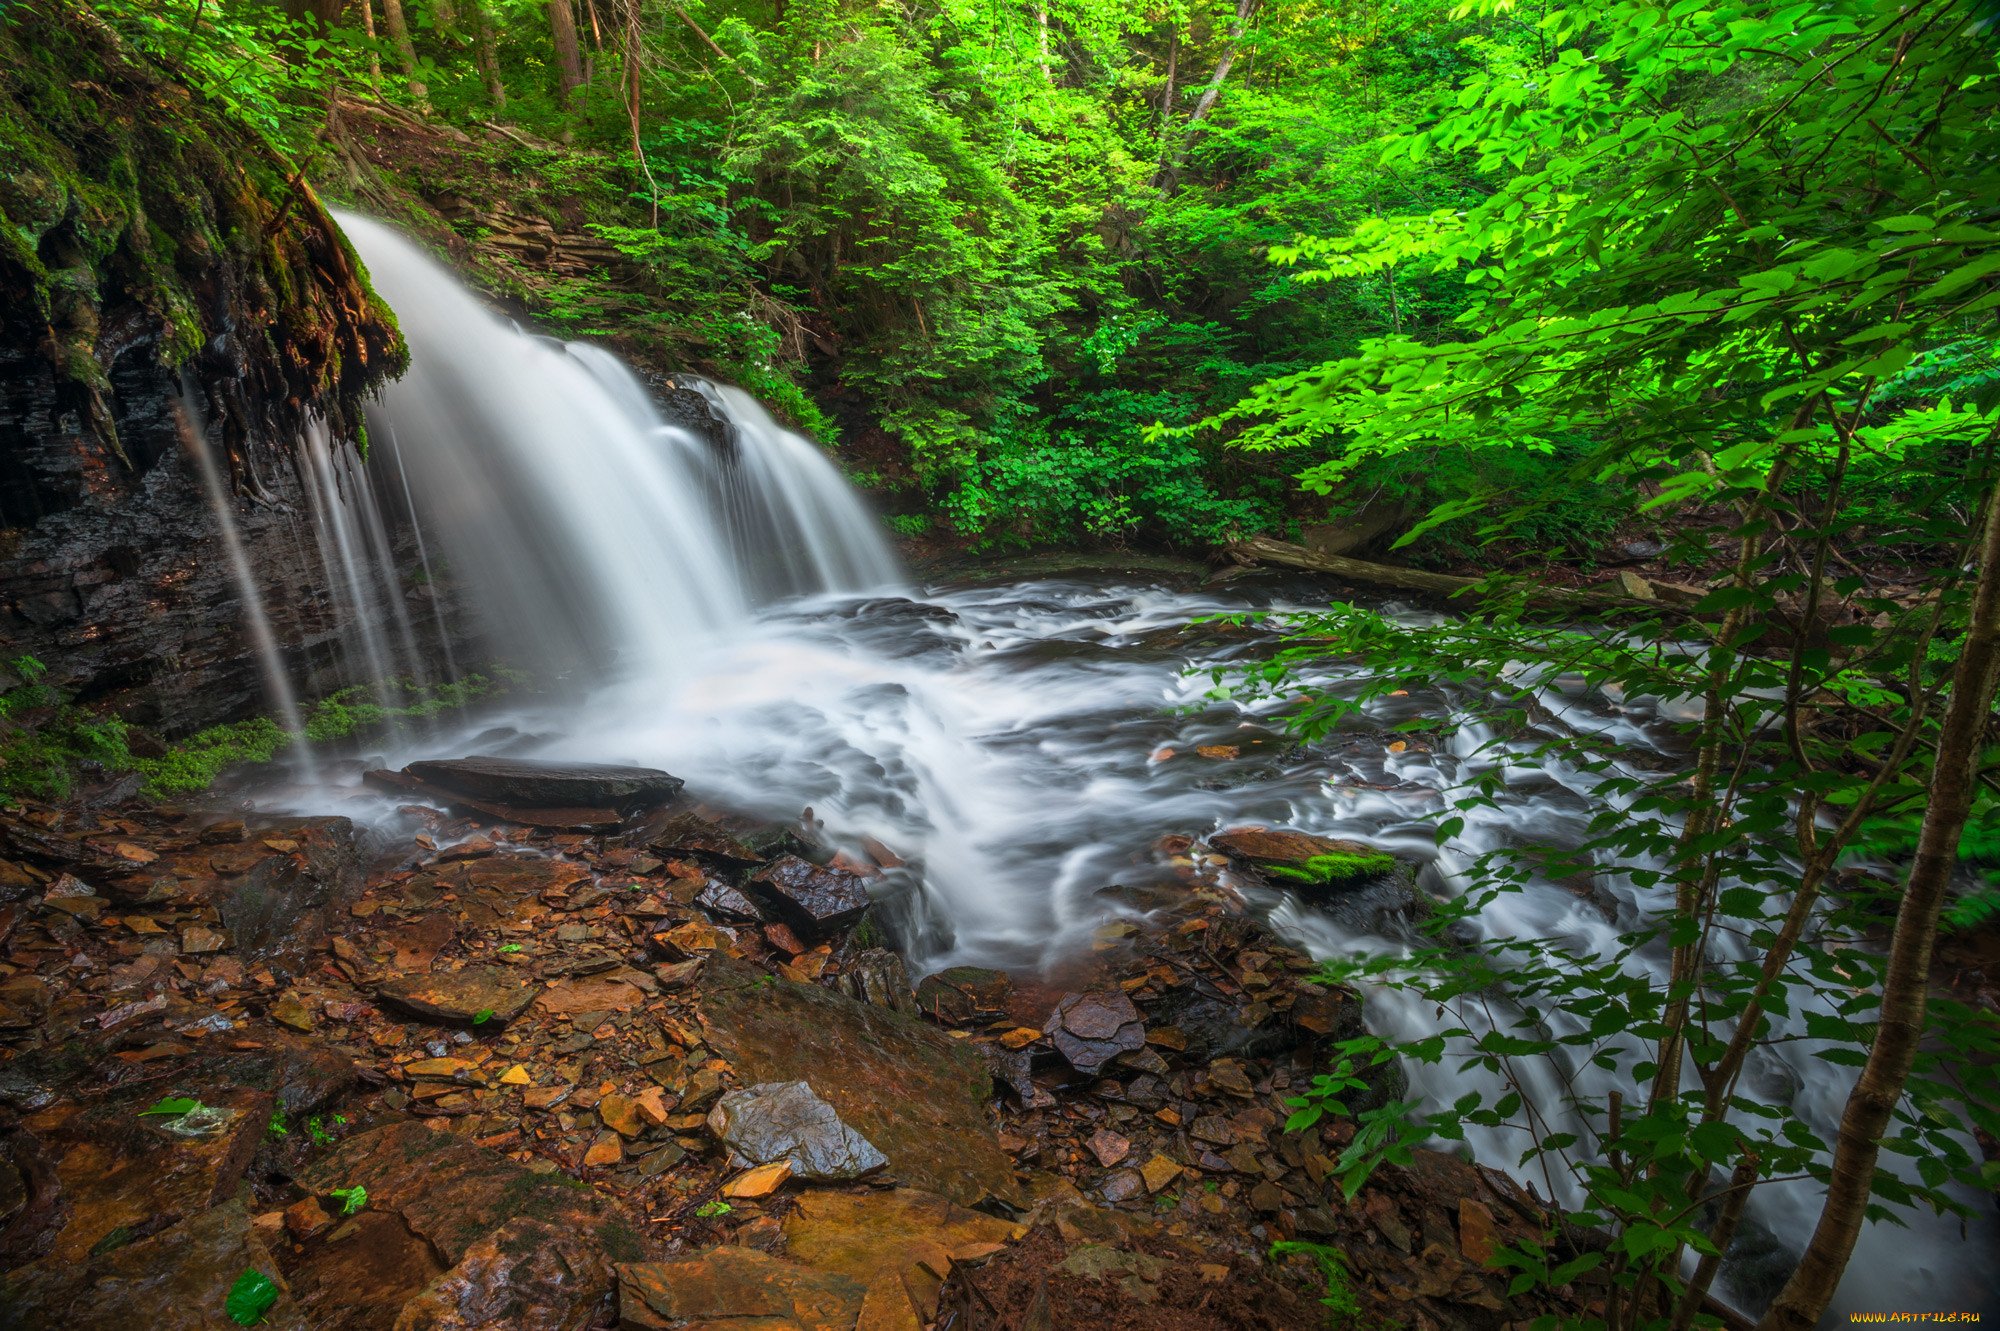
(172, 1106)
(350, 1199)
(250, 1297)
(481, 1017)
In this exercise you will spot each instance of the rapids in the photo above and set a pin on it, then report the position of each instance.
(736, 618)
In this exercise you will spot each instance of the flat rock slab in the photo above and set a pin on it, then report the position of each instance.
(729, 1287)
(175, 1280)
(559, 818)
(918, 1096)
(1092, 1029)
(814, 900)
(458, 998)
(786, 1121)
(545, 784)
(900, 1244)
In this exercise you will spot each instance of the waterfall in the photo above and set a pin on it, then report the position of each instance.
(596, 540)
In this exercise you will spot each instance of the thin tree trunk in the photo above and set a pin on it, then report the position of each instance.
(1173, 69)
(374, 60)
(445, 15)
(1245, 11)
(1872, 1103)
(1042, 41)
(485, 54)
(569, 61)
(406, 52)
(634, 50)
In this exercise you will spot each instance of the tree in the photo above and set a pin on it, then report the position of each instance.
(1723, 245)
(569, 60)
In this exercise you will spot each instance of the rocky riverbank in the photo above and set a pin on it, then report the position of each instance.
(664, 1072)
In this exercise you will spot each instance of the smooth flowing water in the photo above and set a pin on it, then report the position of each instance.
(735, 617)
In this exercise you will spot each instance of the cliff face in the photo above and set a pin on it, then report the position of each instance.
(168, 286)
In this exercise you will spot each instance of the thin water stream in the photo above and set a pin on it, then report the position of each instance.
(736, 618)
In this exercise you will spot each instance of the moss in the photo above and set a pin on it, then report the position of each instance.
(1334, 868)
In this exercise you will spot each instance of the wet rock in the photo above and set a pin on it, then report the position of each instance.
(528, 1275)
(689, 833)
(175, 1279)
(1299, 858)
(963, 995)
(1090, 1030)
(877, 975)
(459, 998)
(900, 1244)
(919, 1097)
(520, 781)
(815, 901)
(562, 818)
(722, 899)
(786, 1121)
(448, 1197)
(300, 876)
(734, 1287)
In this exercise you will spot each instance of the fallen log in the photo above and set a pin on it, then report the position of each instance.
(1447, 586)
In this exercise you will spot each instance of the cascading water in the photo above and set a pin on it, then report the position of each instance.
(733, 616)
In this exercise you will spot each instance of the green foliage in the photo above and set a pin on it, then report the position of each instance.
(1333, 868)
(250, 1297)
(715, 1207)
(1342, 1306)
(172, 1106)
(350, 1199)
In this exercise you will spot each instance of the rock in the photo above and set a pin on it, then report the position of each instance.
(1304, 859)
(195, 940)
(964, 994)
(1090, 1030)
(919, 1097)
(1159, 1172)
(621, 1114)
(726, 1287)
(786, 1121)
(722, 899)
(877, 975)
(606, 1150)
(1108, 1147)
(171, 1280)
(1636, 587)
(520, 781)
(759, 1182)
(528, 1275)
(899, 1244)
(304, 1219)
(291, 1010)
(457, 998)
(436, 1202)
(817, 902)
(561, 818)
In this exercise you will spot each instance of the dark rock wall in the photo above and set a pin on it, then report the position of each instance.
(162, 272)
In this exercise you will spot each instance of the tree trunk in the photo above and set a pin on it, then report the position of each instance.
(1245, 11)
(569, 61)
(1872, 1103)
(634, 51)
(406, 52)
(374, 60)
(1263, 549)
(445, 15)
(486, 54)
(1042, 41)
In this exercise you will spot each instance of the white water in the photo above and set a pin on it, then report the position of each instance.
(737, 620)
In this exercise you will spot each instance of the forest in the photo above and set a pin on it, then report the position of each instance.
(1377, 620)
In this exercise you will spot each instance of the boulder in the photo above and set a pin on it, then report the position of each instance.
(521, 781)
(963, 995)
(815, 900)
(1302, 859)
(786, 1121)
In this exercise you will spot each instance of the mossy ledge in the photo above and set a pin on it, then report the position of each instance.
(133, 216)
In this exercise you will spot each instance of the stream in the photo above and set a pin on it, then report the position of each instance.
(739, 620)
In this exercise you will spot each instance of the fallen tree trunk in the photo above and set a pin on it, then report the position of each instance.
(1264, 550)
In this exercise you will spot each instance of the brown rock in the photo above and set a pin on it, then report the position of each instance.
(1108, 1147)
(1159, 1172)
(458, 998)
(1092, 1029)
(900, 1244)
(528, 1275)
(303, 1219)
(1475, 1231)
(606, 1150)
(726, 1287)
(621, 1114)
(815, 901)
(291, 1010)
(759, 1182)
(919, 1097)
